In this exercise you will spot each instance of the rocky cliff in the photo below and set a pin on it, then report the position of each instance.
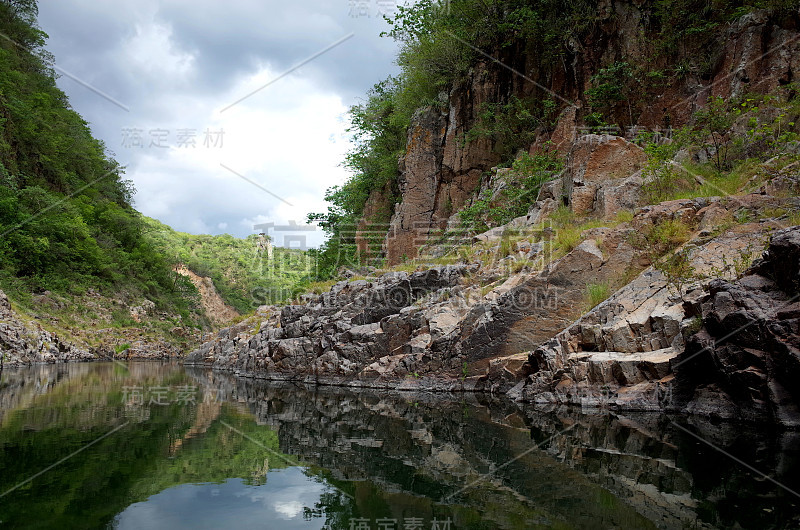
(441, 171)
(603, 294)
(505, 316)
(24, 341)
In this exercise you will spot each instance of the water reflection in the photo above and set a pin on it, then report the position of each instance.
(190, 448)
(279, 503)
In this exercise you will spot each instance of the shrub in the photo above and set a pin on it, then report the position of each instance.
(677, 270)
(597, 293)
(659, 239)
(522, 185)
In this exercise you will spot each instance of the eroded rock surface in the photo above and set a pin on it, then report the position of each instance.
(744, 363)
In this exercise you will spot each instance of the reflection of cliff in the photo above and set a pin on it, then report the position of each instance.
(61, 390)
(207, 413)
(421, 447)
(420, 453)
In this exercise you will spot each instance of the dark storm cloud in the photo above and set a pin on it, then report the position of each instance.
(177, 63)
(228, 39)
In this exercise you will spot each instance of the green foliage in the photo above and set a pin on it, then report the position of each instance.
(513, 125)
(714, 123)
(244, 276)
(658, 243)
(520, 188)
(660, 173)
(770, 130)
(612, 85)
(677, 270)
(65, 210)
(567, 238)
(597, 293)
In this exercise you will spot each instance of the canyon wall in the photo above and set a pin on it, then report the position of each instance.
(441, 171)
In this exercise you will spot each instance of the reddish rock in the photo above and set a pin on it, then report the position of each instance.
(600, 162)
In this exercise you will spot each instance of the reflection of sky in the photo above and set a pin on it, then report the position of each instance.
(277, 504)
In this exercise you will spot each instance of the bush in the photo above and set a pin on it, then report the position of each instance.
(522, 184)
(597, 293)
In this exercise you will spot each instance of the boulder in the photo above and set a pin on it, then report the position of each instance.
(745, 360)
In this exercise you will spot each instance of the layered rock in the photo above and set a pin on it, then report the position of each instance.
(355, 332)
(485, 328)
(641, 349)
(744, 362)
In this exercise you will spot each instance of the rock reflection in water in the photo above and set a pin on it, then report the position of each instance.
(579, 468)
(290, 456)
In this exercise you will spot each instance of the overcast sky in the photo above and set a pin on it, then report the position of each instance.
(164, 74)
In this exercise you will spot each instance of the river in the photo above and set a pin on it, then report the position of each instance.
(157, 445)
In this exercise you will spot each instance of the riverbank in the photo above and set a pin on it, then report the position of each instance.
(654, 345)
(24, 341)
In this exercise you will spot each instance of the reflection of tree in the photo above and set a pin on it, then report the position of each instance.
(177, 444)
(334, 507)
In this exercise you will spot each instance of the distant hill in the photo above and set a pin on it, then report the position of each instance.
(243, 274)
(74, 253)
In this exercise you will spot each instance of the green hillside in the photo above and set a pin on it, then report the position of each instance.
(73, 251)
(66, 221)
(244, 276)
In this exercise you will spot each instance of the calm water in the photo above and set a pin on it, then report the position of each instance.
(149, 445)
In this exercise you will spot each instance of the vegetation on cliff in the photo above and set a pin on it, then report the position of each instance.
(442, 43)
(243, 274)
(75, 256)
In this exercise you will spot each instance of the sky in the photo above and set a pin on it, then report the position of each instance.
(203, 102)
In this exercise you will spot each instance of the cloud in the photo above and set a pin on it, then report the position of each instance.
(176, 64)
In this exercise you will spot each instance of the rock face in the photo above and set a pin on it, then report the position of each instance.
(620, 354)
(22, 343)
(215, 307)
(744, 363)
(601, 175)
(759, 56)
(356, 332)
(441, 172)
(512, 326)
(421, 170)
